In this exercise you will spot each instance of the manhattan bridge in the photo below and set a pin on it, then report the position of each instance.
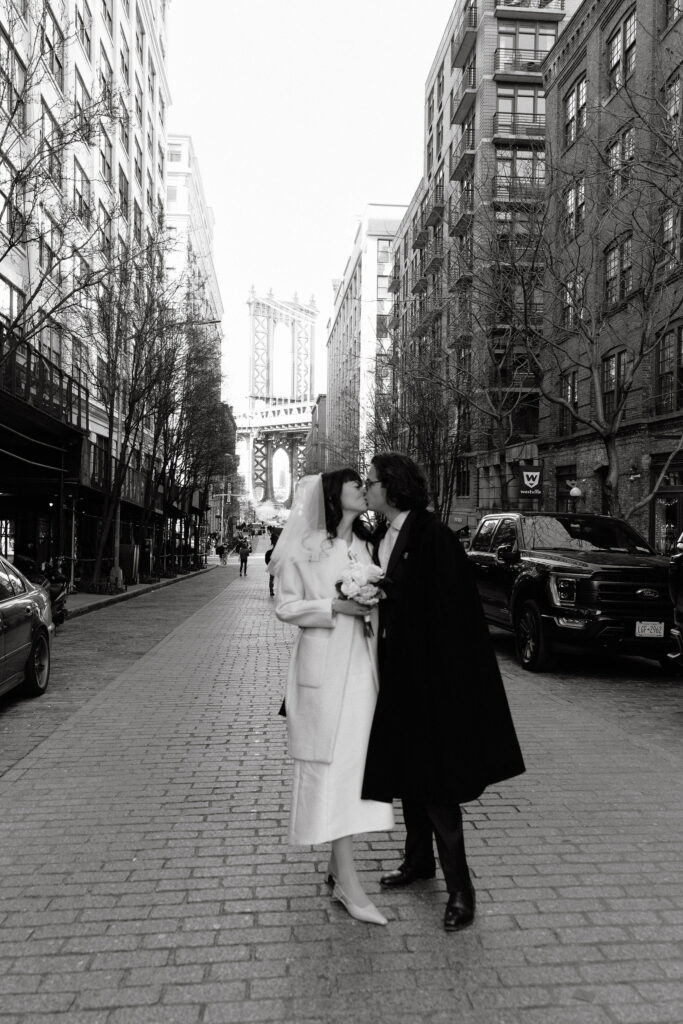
(272, 432)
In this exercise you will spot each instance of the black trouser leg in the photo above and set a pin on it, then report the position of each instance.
(446, 820)
(419, 851)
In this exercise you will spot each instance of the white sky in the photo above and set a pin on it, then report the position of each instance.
(301, 113)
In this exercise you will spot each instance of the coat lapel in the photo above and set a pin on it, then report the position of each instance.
(400, 545)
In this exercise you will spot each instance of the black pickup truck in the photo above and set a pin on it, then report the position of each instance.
(564, 580)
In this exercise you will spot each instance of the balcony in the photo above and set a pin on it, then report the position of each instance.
(435, 206)
(459, 271)
(462, 156)
(463, 99)
(521, 126)
(419, 279)
(434, 257)
(516, 315)
(551, 10)
(460, 214)
(517, 253)
(28, 376)
(382, 326)
(518, 64)
(460, 330)
(464, 36)
(395, 279)
(395, 316)
(518, 189)
(420, 233)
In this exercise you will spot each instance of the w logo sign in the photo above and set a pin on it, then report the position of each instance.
(530, 481)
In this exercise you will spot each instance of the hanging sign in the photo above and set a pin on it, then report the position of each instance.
(530, 481)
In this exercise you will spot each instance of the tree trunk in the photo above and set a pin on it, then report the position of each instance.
(611, 479)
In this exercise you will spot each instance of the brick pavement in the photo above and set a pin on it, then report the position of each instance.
(144, 876)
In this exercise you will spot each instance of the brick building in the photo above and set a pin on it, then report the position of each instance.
(613, 95)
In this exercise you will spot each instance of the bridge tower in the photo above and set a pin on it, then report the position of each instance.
(272, 433)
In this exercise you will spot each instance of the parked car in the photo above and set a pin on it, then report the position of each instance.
(26, 630)
(676, 594)
(566, 580)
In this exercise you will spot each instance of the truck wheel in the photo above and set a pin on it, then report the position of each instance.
(38, 667)
(530, 641)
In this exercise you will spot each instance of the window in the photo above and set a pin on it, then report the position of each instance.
(672, 104)
(175, 154)
(430, 108)
(53, 47)
(462, 478)
(620, 156)
(519, 107)
(160, 162)
(49, 248)
(124, 125)
(107, 16)
(430, 154)
(439, 86)
(673, 10)
(384, 250)
(162, 111)
(137, 162)
(484, 535)
(11, 302)
(50, 342)
(572, 300)
(671, 237)
(106, 78)
(82, 106)
(570, 393)
(613, 373)
(106, 153)
(172, 193)
(82, 194)
(11, 204)
(124, 59)
(137, 222)
(575, 208)
(149, 195)
(124, 193)
(669, 374)
(51, 144)
(575, 112)
(618, 271)
(12, 82)
(151, 81)
(621, 53)
(138, 100)
(139, 36)
(83, 24)
(150, 136)
(104, 230)
(439, 136)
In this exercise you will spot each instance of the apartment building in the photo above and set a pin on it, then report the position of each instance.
(484, 141)
(84, 96)
(613, 94)
(359, 347)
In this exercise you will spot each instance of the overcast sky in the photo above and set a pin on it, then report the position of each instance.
(301, 113)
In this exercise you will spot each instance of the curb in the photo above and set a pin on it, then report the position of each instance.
(116, 598)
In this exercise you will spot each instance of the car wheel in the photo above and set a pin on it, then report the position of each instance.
(38, 667)
(530, 640)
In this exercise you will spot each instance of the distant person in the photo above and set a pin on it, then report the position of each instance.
(271, 579)
(220, 551)
(244, 550)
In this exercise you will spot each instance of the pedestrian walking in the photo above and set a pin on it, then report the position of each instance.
(220, 551)
(271, 578)
(442, 730)
(332, 681)
(244, 550)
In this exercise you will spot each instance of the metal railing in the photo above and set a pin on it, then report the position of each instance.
(466, 26)
(541, 5)
(527, 125)
(515, 60)
(518, 187)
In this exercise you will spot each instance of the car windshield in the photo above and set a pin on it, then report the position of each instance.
(572, 533)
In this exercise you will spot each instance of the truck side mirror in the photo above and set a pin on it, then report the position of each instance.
(507, 553)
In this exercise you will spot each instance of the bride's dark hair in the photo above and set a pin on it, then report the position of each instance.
(332, 488)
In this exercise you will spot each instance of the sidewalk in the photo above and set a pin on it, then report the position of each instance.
(144, 876)
(82, 603)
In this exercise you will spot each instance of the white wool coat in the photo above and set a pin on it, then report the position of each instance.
(319, 664)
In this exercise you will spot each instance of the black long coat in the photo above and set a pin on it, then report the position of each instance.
(442, 730)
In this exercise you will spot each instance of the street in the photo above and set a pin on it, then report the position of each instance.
(144, 875)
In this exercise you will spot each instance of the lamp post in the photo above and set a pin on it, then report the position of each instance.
(575, 493)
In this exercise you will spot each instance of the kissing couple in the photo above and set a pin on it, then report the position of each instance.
(411, 705)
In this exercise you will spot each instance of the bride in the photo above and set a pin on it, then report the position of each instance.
(332, 682)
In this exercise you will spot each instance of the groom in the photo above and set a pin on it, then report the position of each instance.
(442, 730)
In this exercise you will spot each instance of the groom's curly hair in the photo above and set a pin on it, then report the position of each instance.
(403, 480)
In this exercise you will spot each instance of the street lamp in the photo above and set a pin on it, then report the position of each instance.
(575, 493)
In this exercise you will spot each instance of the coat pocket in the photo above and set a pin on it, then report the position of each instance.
(311, 660)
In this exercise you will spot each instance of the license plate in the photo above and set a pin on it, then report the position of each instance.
(650, 629)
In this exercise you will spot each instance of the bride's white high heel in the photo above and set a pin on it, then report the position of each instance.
(369, 913)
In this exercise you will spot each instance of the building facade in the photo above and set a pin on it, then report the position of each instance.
(613, 86)
(359, 347)
(484, 139)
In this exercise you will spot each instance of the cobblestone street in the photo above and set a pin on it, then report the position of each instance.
(144, 876)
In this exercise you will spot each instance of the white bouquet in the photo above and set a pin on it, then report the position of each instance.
(360, 582)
